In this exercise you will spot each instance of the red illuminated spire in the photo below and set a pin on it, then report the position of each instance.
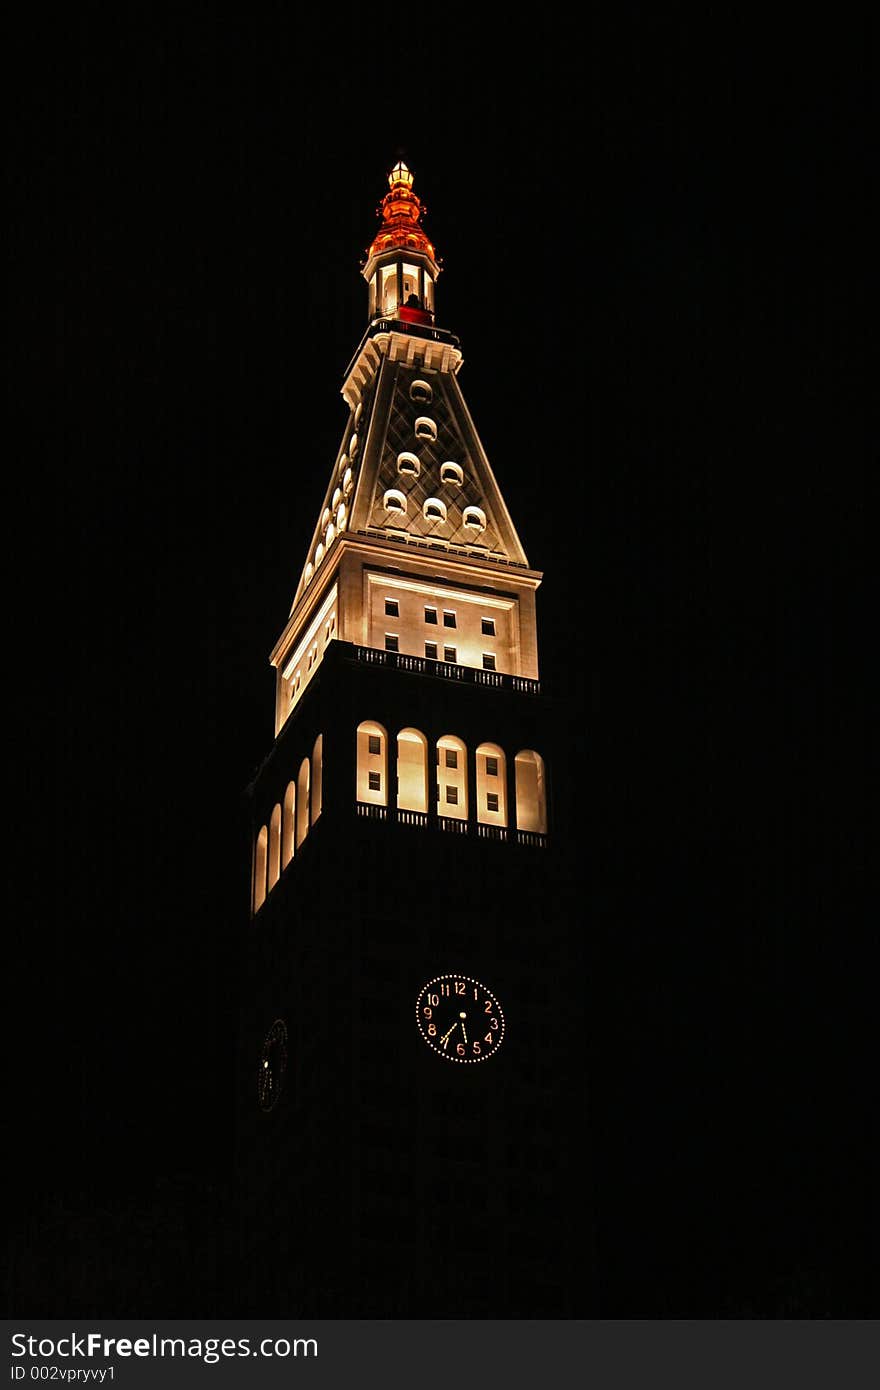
(400, 211)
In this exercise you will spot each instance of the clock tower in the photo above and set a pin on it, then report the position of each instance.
(412, 1137)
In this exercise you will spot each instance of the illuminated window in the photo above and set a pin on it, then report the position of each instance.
(353, 447)
(392, 608)
(451, 757)
(487, 627)
(260, 855)
(531, 794)
(412, 770)
(448, 618)
(491, 796)
(431, 650)
(392, 642)
(431, 615)
(426, 428)
(452, 473)
(394, 501)
(325, 516)
(452, 777)
(302, 802)
(375, 781)
(370, 733)
(488, 661)
(434, 509)
(288, 824)
(420, 391)
(337, 498)
(388, 289)
(346, 481)
(408, 465)
(449, 654)
(358, 412)
(474, 519)
(275, 846)
(317, 777)
(319, 554)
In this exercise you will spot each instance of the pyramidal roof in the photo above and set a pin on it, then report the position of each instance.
(411, 468)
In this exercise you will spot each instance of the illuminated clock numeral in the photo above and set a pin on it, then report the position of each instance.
(429, 1013)
(444, 989)
(493, 1024)
(477, 1049)
(459, 986)
(488, 1008)
(434, 999)
(432, 1030)
(476, 994)
(460, 1049)
(488, 1038)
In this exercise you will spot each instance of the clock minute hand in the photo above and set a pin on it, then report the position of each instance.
(447, 1036)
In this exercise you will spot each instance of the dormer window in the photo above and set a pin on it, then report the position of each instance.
(337, 498)
(408, 465)
(346, 482)
(474, 519)
(426, 428)
(325, 517)
(340, 517)
(434, 510)
(319, 553)
(421, 392)
(353, 447)
(452, 473)
(394, 501)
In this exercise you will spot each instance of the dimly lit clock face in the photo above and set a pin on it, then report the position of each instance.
(460, 1018)
(273, 1064)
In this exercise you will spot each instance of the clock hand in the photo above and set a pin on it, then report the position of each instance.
(463, 1029)
(446, 1036)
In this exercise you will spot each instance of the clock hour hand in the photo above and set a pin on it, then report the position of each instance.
(447, 1035)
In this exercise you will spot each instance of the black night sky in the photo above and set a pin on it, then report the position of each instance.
(661, 224)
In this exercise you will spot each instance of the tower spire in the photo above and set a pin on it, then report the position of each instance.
(401, 268)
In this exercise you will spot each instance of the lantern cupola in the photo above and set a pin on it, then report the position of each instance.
(401, 268)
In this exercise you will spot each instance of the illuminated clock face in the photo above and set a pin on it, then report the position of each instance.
(460, 1019)
(273, 1064)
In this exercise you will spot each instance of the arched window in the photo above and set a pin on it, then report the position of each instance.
(302, 802)
(474, 519)
(274, 846)
(491, 784)
(372, 763)
(420, 391)
(451, 777)
(317, 776)
(531, 792)
(288, 824)
(434, 510)
(394, 501)
(260, 868)
(412, 770)
(426, 428)
(451, 473)
(408, 465)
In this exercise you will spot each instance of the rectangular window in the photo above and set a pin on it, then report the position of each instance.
(375, 782)
(492, 801)
(392, 608)
(374, 743)
(431, 616)
(449, 654)
(491, 767)
(452, 795)
(488, 661)
(431, 650)
(448, 618)
(487, 627)
(391, 643)
(451, 757)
